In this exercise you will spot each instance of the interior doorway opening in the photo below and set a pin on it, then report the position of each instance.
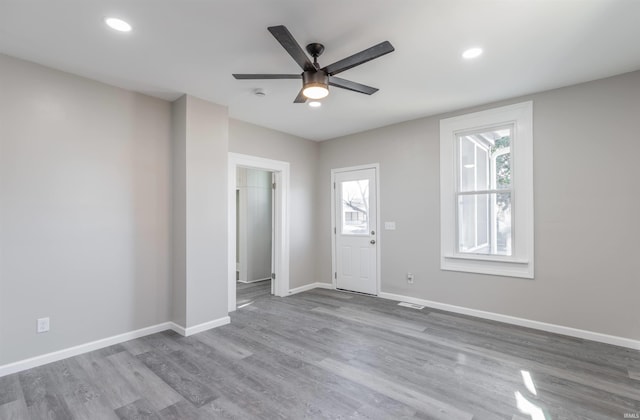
(279, 172)
(254, 234)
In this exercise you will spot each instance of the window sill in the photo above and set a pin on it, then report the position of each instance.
(479, 257)
(481, 265)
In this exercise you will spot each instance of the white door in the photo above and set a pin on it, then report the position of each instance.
(355, 230)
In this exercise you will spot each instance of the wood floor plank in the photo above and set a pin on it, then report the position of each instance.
(420, 401)
(359, 317)
(114, 387)
(328, 354)
(226, 348)
(224, 409)
(229, 378)
(181, 381)
(41, 396)
(540, 346)
(136, 347)
(182, 410)
(145, 383)
(249, 292)
(137, 410)
(84, 399)
(14, 410)
(9, 389)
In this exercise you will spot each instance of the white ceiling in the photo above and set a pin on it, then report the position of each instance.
(193, 46)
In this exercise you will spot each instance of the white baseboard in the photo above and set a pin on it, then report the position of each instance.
(543, 326)
(80, 349)
(36, 361)
(200, 327)
(310, 286)
(253, 281)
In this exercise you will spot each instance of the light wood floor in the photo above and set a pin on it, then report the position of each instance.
(328, 354)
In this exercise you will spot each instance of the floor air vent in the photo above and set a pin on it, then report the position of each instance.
(411, 305)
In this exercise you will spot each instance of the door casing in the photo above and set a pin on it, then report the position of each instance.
(281, 171)
(334, 227)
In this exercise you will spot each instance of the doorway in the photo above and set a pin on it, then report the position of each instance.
(355, 229)
(280, 222)
(254, 234)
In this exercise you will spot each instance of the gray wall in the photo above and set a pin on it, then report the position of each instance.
(303, 155)
(586, 150)
(207, 156)
(179, 209)
(85, 206)
(200, 144)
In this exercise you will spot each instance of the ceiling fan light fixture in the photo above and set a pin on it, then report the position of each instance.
(315, 91)
(315, 84)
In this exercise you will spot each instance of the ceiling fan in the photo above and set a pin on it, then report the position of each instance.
(316, 80)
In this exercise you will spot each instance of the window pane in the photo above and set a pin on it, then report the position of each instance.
(482, 169)
(482, 205)
(467, 164)
(484, 224)
(485, 160)
(467, 222)
(502, 217)
(501, 159)
(355, 207)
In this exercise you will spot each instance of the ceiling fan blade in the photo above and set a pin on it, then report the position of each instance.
(266, 76)
(359, 58)
(300, 99)
(353, 86)
(284, 37)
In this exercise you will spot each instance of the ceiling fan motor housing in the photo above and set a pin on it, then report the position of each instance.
(315, 78)
(315, 84)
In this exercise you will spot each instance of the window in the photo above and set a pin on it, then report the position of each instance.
(483, 192)
(355, 207)
(486, 192)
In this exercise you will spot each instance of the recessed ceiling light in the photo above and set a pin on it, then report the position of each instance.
(117, 24)
(472, 53)
(315, 104)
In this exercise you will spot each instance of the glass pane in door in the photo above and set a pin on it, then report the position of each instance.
(355, 207)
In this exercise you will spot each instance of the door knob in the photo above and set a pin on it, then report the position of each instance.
(372, 242)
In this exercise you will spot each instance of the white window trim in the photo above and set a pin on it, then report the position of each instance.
(521, 263)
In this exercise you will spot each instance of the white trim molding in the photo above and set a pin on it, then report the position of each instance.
(310, 286)
(522, 322)
(521, 263)
(81, 348)
(200, 327)
(44, 359)
(281, 172)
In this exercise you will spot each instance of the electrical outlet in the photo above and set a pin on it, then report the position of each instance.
(43, 325)
(410, 278)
